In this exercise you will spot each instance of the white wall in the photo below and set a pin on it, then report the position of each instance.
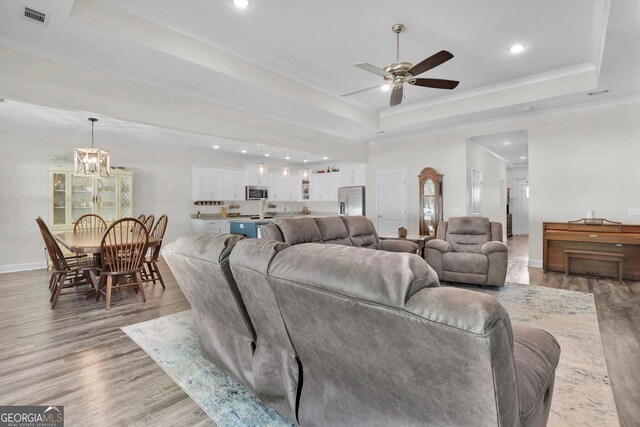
(446, 156)
(515, 174)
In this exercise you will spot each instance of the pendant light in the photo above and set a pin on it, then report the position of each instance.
(285, 169)
(262, 168)
(305, 172)
(91, 161)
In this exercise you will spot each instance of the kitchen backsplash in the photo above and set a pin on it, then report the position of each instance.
(252, 207)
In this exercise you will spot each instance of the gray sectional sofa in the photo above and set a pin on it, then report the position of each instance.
(354, 230)
(334, 335)
(469, 250)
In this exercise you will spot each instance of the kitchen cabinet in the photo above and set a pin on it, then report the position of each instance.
(323, 187)
(353, 176)
(293, 188)
(73, 196)
(214, 226)
(233, 185)
(253, 178)
(276, 185)
(217, 184)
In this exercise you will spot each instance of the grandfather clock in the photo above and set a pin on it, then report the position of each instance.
(430, 201)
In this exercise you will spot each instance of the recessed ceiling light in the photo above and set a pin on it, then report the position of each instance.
(385, 87)
(506, 143)
(528, 108)
(287, 157)
(242, 4)
(266, 155)
(243, 151)
(517, 48)
(215, 147)
(325, 158)
(305, 160)
(523, 157)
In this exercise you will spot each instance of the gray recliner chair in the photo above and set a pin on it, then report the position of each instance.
(469, 250)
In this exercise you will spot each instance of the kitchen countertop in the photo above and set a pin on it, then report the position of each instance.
(247, 218)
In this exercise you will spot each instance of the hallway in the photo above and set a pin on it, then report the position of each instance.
(517, 270)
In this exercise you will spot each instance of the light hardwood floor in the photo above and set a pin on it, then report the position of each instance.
(77, 356)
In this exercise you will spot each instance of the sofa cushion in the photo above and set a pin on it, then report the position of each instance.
(333, 231)
(462, 262)
(536, 353)
(361, 231)
(386, 278)
(468, 234)
(299, 230)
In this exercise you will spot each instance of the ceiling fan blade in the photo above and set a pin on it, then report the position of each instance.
(396, 96)
(431, 62)
(435, 83)
(372, 69)
(360, 90)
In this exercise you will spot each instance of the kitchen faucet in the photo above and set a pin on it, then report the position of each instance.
(291, 206)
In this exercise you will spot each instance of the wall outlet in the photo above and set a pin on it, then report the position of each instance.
(633, 211)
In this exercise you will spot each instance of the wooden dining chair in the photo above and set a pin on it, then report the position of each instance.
(90, 222)
(148, 222)
(152, 272)
(65, 276)
(122, 251)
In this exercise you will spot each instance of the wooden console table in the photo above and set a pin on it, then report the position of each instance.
(596, 246)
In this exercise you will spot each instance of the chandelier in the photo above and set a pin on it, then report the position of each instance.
(91, 161)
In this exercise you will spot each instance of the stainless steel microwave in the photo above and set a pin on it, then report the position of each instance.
(256, 193)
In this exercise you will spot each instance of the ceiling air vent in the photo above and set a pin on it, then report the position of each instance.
(36, 16)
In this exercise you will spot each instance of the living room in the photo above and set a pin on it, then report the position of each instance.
(227, 118)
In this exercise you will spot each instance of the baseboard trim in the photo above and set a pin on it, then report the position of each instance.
(10, 268)
(535, 263)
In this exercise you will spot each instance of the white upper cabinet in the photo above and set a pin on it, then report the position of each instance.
(253, 178)
(217, 184)
(276, 187)
(323, 187)
(353, 176)
(233, 185)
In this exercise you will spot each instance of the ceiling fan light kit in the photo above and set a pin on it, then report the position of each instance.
(395, 75)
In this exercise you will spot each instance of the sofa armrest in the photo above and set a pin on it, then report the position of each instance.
(492, 247)
(393, 245)
(459, 308)
(440, 245)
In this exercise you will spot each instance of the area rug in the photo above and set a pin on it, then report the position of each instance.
(582, 394)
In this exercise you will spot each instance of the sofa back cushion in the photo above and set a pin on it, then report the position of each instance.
(361, 231)
(299, 230)
(200, 264)
(275, 364)
(367, 333)
(468, 234)
(333, 231)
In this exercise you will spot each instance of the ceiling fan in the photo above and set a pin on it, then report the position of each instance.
(398, 73)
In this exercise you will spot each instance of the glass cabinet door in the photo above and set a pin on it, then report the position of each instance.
(106, 198)
(81, 197)
(428, 207)
(126, 188)
(59, 182)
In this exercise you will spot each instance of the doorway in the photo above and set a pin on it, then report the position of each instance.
(391, 201)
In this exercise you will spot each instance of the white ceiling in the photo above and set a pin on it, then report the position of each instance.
(18, 116)
(272, 74)
(513, 147)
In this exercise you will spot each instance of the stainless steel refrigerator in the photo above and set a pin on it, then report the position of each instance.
(351, 201)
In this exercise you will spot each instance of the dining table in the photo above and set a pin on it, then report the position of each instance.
(88, 242)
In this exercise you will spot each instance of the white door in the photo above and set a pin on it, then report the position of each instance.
(392, 202)
(524, 208)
